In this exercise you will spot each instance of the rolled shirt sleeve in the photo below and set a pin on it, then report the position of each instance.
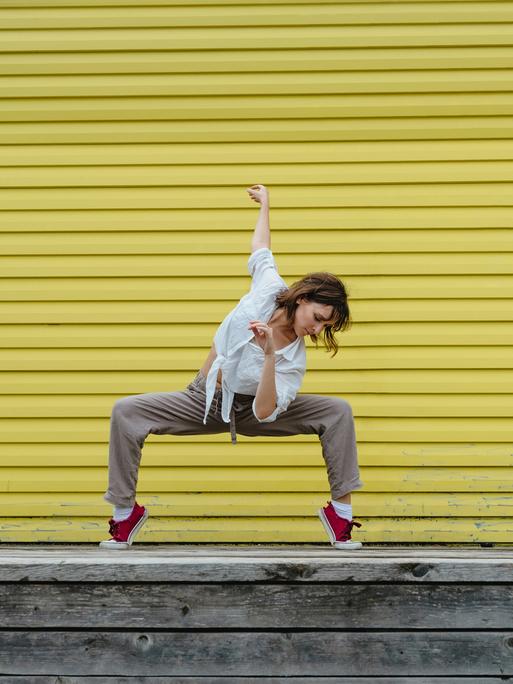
(263, 270)
(287, 386)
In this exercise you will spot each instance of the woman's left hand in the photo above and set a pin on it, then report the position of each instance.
(261, 329)
(259, 193)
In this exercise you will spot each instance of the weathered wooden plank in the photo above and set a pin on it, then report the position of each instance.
(144, 554)
(340, 567)
(259, 549)
(42, 679)
(228, 653)
(246, 605)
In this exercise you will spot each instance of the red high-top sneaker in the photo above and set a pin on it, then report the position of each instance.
(124, 531)
(338, 529)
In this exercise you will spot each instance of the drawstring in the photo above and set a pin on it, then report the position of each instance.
(232, 425)
(233, 431)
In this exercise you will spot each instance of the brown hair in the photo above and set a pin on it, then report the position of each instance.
(323, 288)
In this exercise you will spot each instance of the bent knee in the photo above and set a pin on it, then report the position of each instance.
(342, 406)
(122, 407)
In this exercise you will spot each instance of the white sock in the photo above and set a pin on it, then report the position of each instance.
(121, 513)
(343, 510)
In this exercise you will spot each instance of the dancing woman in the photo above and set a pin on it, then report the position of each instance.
(249, 384)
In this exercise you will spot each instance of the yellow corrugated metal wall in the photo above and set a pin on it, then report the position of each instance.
(129, 134)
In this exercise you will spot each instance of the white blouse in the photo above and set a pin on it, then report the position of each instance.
(241, 360)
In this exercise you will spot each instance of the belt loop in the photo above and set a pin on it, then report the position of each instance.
(232, 425)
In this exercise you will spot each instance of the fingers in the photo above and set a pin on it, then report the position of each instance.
(260, 328)
(257, 193)
(256, 324)
(253, 194)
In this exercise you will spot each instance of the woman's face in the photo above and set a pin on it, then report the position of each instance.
(311, 317)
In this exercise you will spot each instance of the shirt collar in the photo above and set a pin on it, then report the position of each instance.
(290, 351)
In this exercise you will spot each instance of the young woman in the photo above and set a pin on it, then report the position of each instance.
(250, 380)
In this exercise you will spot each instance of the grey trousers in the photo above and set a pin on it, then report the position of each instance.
(181, 413)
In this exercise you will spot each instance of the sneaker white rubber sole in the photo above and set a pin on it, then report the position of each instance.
(342, 545)
(121, 546)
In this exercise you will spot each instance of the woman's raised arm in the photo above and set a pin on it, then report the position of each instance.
(262, 234)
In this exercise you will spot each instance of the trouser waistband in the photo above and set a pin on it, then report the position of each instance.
(238, 398)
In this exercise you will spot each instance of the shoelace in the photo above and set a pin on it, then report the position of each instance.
(113, 528)
(347, 532)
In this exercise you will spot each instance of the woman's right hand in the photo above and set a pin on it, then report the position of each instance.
(259, 193)
(265, 333)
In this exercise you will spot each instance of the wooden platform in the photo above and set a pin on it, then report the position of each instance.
(256, 613)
